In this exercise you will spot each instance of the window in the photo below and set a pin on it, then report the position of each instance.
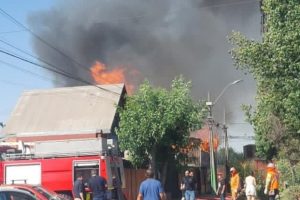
(15, 195)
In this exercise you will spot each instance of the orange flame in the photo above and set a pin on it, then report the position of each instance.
(205, 144)
(117, 75)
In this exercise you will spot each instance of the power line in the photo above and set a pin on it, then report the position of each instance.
(237, 2)
(229, 4)
(41, 39)
(55, 71)
(8, 32)
(58, 71)
(38, 65)
(13, 83)
(42, 60)
(242, 137)
(24, 70)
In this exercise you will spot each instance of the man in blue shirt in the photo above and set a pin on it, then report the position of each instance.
(151, 189)
(98, 186)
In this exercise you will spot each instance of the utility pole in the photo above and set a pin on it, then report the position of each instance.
(210, 121)
(226, 155)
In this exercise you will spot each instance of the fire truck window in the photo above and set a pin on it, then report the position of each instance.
(26, 191)
(85, 171)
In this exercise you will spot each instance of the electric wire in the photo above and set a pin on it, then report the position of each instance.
(41, 39)
(9, 32)
(55, 71)
(25, 70)
(229, 4)
(232, 3)
(14, 83)
(37, 58)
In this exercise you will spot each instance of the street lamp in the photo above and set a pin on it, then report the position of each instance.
(210, 121)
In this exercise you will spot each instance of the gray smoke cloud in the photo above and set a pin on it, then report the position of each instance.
(162, 39)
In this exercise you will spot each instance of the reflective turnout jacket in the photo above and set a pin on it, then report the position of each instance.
(272, 180)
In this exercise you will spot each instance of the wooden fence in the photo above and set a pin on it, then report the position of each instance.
(133, 178)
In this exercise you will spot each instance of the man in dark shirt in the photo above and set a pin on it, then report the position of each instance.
(190, 187)
(78, 188)
(221, 187)
(98, 186)
(183, 183)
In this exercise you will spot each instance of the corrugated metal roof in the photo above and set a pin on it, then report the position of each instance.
(69, 110)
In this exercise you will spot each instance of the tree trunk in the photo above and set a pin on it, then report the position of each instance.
(153, 161)
(164, 173)
(293, 172)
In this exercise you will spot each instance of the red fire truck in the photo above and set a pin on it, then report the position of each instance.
(57, 172)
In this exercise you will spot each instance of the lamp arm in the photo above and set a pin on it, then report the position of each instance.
(224, 89)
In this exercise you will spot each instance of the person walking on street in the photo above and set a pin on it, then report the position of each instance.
(190, 187)
(151, 189)
(234, 183)
(98, 186)
(250, 185)
(272, 182)
(78, 188)
(183, 183)
(221, 187)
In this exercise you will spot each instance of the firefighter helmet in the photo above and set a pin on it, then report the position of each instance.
(271, 165)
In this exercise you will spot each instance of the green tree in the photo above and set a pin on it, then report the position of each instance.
(155, 123)
(289, 179)
(274, 63)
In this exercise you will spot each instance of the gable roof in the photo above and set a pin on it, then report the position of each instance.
(204, 133)
(68, 110)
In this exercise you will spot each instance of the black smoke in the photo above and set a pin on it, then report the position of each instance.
(161, 39)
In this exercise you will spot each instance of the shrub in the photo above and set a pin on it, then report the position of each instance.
(292, 192)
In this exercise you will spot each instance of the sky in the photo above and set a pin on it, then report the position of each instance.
(154, 40)
(17, 76)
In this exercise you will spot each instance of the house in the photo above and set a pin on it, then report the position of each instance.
(78, 114)
(72, 126)
(199, 158)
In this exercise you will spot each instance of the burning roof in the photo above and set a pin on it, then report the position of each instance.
(203, 135)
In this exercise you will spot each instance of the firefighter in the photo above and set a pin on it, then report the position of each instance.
(78, 188)
(98, 186)
(235, 185)
(272, 182)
